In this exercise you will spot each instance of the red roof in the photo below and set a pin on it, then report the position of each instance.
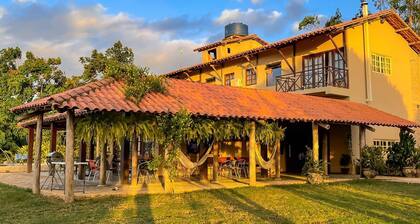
(389, 15)
(232, 39)
(219, 101)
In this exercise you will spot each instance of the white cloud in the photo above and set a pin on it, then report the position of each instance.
(2, 12)
(24, 1)
(256, 1)
(72, 32)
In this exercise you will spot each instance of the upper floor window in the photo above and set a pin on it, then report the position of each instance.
(251, 76)
(381, 64)
(211, 80)
(273, 72)
(386, 144)
(229, 79)
(228, 50)
(213, 54)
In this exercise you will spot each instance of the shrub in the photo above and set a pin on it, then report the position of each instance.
(373, 158)
(402, 154)
(312, 166)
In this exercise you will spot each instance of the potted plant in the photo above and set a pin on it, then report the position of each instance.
(313, 169)
(417, 162)
(401, 156)
(372, 161)
(344, 163)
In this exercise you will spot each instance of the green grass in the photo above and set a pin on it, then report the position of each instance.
(360, 201)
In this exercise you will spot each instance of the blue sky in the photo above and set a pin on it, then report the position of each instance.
(161, 33)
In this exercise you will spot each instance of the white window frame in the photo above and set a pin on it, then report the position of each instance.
(381, 64)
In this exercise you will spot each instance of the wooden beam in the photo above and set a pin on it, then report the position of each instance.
(219, 76)
(324, 126)
(252, 161)
(325, 152)
(285, 59)
(134, 159)
(188, 76)
(402, 29)
(216, 162)
(338, 49)
(53, 140)
(31, 135)
(254, 67)
(37, 160)
(315, 141)
(414, 43)
(69, 174)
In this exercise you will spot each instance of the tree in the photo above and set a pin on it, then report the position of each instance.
(335, 19)
(309, 23)
(115, 62)
(409, 10)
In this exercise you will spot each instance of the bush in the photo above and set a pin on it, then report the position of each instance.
(402, 154)
(312, 166)
(373, 158)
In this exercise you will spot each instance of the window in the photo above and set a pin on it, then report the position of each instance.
(211, 80)
(228, 50)
(384, 143)
(381, 64)
(251, 76)
(229, 79)
(273, 72)
(212, 54)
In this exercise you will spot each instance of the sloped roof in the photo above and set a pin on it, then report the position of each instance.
(220, 102)
(389, 15)
(231, 40)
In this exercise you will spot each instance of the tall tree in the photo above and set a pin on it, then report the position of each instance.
(335, 19)
(312, 22)
(409, 10)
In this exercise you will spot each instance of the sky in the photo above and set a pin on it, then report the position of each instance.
(162, 33)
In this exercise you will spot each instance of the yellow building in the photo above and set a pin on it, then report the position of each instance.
(373, 59)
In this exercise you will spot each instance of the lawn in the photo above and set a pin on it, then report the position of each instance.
(359, 201)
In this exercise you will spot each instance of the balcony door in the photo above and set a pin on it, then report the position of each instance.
(312, 71)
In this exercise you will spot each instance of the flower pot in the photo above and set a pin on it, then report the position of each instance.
(369, 173)
(314, 178)
(345, 170)
(409, 171)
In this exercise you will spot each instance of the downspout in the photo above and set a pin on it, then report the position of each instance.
(367, 54)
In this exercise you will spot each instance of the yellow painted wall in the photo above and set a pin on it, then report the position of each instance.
(339, 145)
(235, 48)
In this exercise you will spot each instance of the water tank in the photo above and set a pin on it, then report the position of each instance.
(238, 29)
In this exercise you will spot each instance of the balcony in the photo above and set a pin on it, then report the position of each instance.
(314, 80)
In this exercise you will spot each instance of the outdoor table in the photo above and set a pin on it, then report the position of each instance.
(76, 164)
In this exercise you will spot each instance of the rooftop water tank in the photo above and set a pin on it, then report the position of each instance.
(236, 29)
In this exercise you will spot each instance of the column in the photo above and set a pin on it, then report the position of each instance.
(69, 175)
(134, 159)
(355, 148)
(325, 151)
(278, 158)
(82, 158)
(37, 156)
(31, 135)
(92, 150)
(216, 163)
(53, 140)
(362, 143)
(315, 141)
(252, 161)
(103, 166)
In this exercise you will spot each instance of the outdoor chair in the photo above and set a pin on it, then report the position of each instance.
(242, 168)
(93, 169)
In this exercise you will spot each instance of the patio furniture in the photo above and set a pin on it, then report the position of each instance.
(93, 169)
(75, 165)
(53, 173)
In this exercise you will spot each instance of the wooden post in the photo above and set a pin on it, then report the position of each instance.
(216, 163)
(82, 158)
(134, 159)
(69, 191)
(252, 161)
(37, 160)
(203, 168)
(315, 141)
(167, 185)
(125, 162)
(264, 152)
(91, 150)
(103, 166)
(278, 158)
(325, 152)
(53, 140)
(362, 144)
(31, 135)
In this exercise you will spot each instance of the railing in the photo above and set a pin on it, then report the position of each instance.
(314, 78)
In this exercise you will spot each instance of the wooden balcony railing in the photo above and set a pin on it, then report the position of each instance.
(314, 78)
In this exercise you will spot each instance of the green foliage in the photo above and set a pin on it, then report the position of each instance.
(335, 19)
(402, 154)
(311, 165)
(373, 158)
(409, 10)
(139, 83)
(309, 23)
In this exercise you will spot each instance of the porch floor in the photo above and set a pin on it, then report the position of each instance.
(180, 185)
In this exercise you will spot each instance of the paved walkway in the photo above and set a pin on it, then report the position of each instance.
(24, 180)
(409, 180)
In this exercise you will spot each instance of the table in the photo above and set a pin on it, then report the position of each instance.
(76, 164)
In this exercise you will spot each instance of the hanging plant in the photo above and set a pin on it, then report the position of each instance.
(139, 82)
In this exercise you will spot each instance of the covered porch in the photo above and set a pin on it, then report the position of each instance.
(218, 103)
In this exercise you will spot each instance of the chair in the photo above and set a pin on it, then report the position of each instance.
(93, 169)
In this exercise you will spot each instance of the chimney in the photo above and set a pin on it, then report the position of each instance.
(365, 10)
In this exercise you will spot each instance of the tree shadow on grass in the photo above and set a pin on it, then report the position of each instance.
(355, 202)
(241, 202)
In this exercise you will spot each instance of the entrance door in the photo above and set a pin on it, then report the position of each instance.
(298, 137)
